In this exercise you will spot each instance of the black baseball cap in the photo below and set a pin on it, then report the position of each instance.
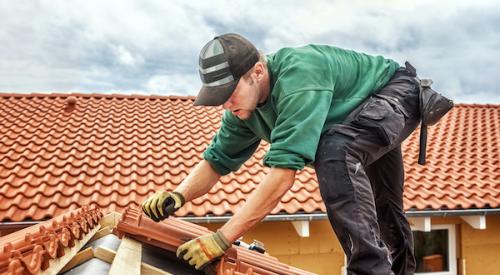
(222, 62)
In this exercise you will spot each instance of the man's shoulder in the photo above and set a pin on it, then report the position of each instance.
(309, 57)
(299, 69)
(292, 51)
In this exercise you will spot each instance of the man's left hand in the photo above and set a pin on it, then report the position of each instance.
(203, 250)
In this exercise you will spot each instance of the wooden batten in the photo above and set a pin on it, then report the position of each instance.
(108, 255)
(110, 220)
(56, 265)
(82, 256)
(128, 258)
(101, 233)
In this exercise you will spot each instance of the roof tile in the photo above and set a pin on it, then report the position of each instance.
(30, 250)
(172, 232)
(112, 151)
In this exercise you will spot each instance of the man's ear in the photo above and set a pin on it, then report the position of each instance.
(259, 71)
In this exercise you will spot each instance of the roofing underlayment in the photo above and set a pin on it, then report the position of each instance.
(59, 152)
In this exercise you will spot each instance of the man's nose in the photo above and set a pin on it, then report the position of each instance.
(226, 104)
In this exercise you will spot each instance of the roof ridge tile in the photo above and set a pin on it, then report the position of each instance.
(170, 233)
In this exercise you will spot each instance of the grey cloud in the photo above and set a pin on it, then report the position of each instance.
(152, 46)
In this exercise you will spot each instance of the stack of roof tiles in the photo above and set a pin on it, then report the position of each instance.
(30, 250)
(59, 151)
(37, 248)
(172, 232)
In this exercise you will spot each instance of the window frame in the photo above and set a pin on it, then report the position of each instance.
(452, 250)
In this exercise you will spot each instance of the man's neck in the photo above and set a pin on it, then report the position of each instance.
(265, 88)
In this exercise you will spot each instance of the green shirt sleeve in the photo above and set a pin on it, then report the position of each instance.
(233, 144)
(294, 140)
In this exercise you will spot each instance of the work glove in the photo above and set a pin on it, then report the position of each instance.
(203, 250)
(162, 204)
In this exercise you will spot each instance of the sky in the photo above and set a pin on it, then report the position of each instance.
(152, 47)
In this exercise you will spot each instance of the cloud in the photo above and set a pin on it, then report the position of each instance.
(152, 46)
(171, 84)
(125, 57)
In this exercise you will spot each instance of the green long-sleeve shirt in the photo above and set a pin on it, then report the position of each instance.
(312, 88)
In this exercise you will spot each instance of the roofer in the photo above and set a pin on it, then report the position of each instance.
(344, 113)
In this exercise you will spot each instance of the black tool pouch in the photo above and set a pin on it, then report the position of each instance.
(433, 106)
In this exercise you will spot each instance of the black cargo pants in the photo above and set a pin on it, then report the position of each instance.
(360, 170)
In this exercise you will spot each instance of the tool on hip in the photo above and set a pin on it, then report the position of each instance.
(432, 106)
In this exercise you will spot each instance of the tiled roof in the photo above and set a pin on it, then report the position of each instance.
(463, 168)
(31, 250)
(171, 233)
(60, 151)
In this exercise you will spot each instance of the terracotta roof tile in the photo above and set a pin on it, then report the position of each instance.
(464, 162)
(112, 151)
(171, 233)
(30, 250)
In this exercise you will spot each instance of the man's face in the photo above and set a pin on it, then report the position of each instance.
(244, 99)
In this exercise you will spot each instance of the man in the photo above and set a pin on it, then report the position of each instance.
(345, 113)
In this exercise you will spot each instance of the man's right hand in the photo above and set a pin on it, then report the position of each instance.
(162, 204)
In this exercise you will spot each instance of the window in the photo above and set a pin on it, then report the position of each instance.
(435, 251)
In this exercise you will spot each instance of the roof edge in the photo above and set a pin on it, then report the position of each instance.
(322, 216)
(146, 96)
(299, 216)
(452, 212)
(95, 95)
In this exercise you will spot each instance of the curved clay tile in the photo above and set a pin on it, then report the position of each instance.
(110, 148)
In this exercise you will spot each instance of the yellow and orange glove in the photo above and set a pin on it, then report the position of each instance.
(162, 204)
(203, 250)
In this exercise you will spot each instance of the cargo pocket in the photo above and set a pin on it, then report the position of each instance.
(381, 118)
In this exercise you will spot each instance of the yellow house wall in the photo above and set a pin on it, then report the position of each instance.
(481, 248)
(321, 252)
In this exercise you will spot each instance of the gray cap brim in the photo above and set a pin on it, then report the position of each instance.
(216, 95)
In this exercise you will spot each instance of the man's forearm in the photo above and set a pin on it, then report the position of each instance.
(199, 181)
(260, 203)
